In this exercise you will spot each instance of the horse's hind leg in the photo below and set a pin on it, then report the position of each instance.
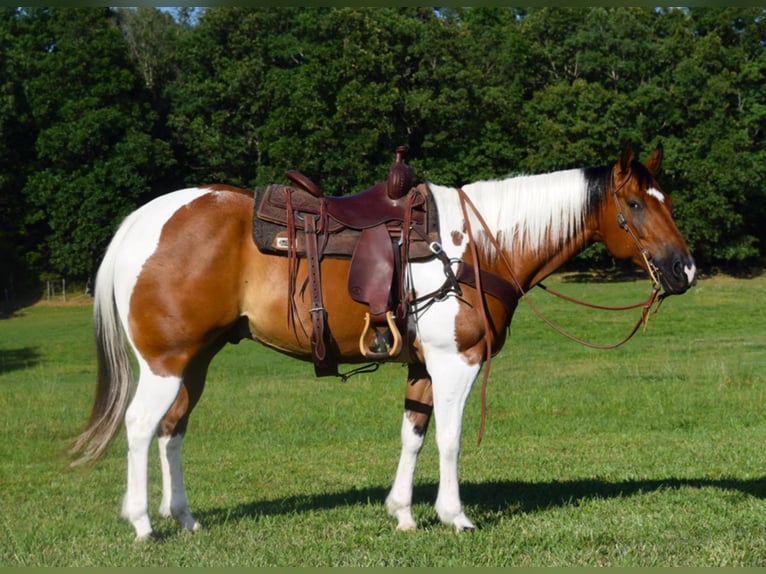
(154, 396)
(418, 405)
(170, 438)
(169, 442)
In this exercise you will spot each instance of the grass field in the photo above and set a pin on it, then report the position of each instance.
(648, 455)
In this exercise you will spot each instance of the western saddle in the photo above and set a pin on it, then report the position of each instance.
(374, 229)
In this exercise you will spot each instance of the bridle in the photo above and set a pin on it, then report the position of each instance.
(654, 274)
(622, 221)
(645, 306)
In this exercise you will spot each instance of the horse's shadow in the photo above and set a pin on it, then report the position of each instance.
(491, 499)
(20, 358)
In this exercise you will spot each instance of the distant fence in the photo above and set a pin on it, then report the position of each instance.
(52, 285)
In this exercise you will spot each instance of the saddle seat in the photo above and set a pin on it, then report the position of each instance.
(369, 208)
(383, 202)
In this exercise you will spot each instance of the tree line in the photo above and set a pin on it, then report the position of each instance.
(103, 109)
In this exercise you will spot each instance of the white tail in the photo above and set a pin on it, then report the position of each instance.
(115, 376)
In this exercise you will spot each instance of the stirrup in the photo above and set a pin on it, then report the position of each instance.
(389, 349)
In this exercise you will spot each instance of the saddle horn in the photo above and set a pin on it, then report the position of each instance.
(399, 180)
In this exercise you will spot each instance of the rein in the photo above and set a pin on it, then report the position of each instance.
(480, 292)
(642, 320)
(645, 305)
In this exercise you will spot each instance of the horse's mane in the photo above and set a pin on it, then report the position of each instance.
(534, 212)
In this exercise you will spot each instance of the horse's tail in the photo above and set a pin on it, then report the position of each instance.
(115, 376)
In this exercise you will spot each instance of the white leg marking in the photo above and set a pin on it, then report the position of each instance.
(399, 501)
(174, 501)
(452, 379)
(153, 398)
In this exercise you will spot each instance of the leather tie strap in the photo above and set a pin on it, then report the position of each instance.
(317, 311)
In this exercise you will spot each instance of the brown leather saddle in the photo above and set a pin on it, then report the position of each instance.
(380, 229)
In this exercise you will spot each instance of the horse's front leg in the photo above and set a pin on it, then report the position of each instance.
(418, 406)
(453, 378)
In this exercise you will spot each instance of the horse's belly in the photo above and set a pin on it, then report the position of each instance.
(276, 323)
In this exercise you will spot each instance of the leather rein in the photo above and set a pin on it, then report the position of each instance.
(644, 305)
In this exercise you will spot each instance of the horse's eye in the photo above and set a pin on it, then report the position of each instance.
(633, 204)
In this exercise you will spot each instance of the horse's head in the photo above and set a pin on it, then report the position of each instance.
(636, 223)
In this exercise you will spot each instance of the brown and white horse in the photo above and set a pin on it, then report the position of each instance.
(182, 277)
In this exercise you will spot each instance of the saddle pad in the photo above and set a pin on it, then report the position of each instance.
(270, 223)
(271, 205)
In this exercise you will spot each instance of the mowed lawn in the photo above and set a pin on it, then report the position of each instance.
(651, 454)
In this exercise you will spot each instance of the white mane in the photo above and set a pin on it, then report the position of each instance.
(527, 211)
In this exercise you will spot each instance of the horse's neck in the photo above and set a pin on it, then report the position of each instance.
(539, 222)
(539, 267)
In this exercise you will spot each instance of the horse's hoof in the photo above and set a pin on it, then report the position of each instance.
(406, 526)
(191, 531)
(196, 527)
(144, 537)
(462, 524)
(144, 530)
(187, 522)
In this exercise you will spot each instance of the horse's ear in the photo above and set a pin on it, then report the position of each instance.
(654, 162)
(626, 157)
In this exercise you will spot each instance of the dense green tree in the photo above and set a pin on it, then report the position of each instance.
(465, 94)
(496, 54)
(218, 105)
(96, 157)
(335, 112)
(268, 89)
(17, 140)
(102, 109)
(151, 37)
(716, 157)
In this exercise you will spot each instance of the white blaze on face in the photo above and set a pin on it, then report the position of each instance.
(691, 272)
(656, 194)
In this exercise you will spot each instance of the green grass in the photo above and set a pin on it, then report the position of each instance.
(648, 455)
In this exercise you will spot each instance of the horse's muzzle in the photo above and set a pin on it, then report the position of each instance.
(677, 274)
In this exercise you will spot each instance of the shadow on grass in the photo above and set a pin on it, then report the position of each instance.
(488, 499)
(15, 359)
